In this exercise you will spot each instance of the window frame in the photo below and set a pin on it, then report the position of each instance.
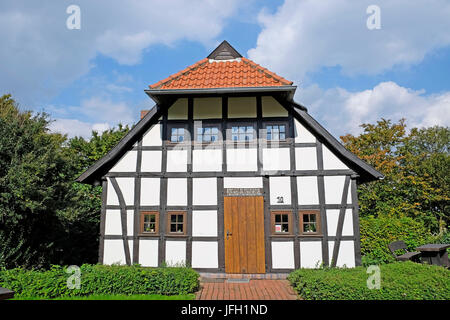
(178, 125)
(287, 139)
(318, 232)
(207, 124)
(234, 123)
(176, 234)
(290, 224)
(142, 219)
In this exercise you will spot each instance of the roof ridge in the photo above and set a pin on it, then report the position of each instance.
(267, 71)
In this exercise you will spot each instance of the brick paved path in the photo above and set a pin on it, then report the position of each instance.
(253, 290)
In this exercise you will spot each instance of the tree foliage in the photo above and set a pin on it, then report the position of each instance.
(415, 165)
(46, 217)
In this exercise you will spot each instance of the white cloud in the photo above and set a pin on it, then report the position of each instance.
(39, 55)
(341, 111)
(73, 127)
(302, 35)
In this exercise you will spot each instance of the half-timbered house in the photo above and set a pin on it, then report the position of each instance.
(227, 173)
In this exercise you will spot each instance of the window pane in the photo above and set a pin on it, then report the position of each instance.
(312, 217)
(215, 130)
(278, 218)
(173, 218)
(282, 128)
(269, 136)
(152, 218)
(146, 218)
(181, 131)
(285, 218)
(306, 218)
(179, 228)
(285, 227)
(282, 136)
(180, 138)
(180, 218)
(207, 130)
(234, 129)
(173, 227)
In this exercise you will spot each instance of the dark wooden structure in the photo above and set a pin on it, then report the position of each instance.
(6, 294)
(400, 245)
(435, 254)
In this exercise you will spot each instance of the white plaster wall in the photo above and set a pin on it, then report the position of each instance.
(305, 159)
(151, 161)
(177, 191)
(113, 222)
(111, 195)
(242, 107)
(308, 191)
(332, 221)
(242, 159)
(179, 110)
(148, 252)
(302, 135)
(204, 223)
(208, 108)
(244, 182)
(126, 185)
(283, 255)
(150, 191)
(280, 187)
(310, 254)
(205, 254)
(127, 163)
(271, 107)
(276, 159)
(330, 161)
(346, 257)
(175, 252)
(153, 137)
(204, 191)
(113, 253)
(177, 160)
(207, 160)
(334, 186)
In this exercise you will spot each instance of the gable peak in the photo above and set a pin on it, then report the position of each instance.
(224, 51)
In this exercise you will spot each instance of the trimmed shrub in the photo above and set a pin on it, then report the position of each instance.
(399, 281)
(378, 232)
(100, 280)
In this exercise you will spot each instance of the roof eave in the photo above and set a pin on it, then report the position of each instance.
(156, 94)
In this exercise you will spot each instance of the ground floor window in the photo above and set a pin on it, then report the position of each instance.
(149, 222)
(176, 223)
(310, 222)
(282, 223)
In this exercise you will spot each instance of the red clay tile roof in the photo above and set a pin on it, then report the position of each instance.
(222, 74)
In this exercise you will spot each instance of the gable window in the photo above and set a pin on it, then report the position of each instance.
(276, 132)
(282, 223)
(310, 222)
(149, 222)
(242, 133)
(176, 223)
(208, 134)
(177, 135)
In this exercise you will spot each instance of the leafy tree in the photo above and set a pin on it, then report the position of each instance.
(45, 216)
(415, 165)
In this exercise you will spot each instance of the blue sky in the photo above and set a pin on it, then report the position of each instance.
(94, 78)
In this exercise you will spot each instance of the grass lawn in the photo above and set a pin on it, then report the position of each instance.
(120, 297)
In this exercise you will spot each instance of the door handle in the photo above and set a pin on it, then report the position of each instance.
(229, 233)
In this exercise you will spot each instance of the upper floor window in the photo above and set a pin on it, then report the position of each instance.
(276, 132)
(177, 135)
(208, 134)
(242, 133)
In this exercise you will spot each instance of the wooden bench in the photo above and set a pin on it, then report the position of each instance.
(400, 245)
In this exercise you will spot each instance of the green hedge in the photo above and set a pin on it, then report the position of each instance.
(399, 281)
(100, 280)
(378, 232)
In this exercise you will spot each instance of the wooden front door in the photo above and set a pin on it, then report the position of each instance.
(244, 234)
